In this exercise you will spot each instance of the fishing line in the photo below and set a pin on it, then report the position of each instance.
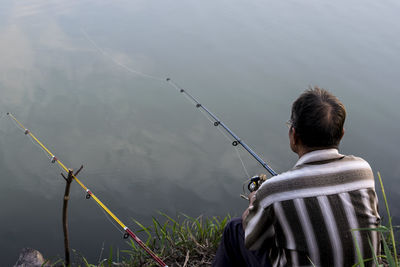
(18, 126)
(173, 83)
(194, 101)
(41, 148)
(241, 160)
(48, 155)
(109, 219)
(32, 140)
(228, 138)
(212, 119)
(117, 62)
(218, 122)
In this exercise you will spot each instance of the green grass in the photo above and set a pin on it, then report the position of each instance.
(184, 241)
(389, 256)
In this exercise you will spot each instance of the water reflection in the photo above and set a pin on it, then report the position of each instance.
(145, 149)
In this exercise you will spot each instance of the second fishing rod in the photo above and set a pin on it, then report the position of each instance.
(89, 194)
(255, 181)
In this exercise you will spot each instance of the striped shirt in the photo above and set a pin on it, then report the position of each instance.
(305, 216)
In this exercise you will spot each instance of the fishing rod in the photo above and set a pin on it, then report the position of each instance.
(217, 122)
(89, 194)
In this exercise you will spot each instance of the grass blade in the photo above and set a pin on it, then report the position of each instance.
(388, 254)
(390, 221)
(373, 252)
(359, 255)
(110, 257)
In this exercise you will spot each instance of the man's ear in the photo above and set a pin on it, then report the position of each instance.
(294, 136)
(342, 133)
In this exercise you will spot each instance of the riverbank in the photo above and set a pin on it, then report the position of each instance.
(185, 241)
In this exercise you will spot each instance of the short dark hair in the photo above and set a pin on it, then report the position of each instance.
(318, 118)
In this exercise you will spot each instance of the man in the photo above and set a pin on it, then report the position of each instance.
(305, 217)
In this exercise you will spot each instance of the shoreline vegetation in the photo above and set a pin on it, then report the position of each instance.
(185, 241)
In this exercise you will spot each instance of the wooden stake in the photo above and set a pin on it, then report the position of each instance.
(68, 181)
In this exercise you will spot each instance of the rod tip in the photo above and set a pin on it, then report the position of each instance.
(8, 113)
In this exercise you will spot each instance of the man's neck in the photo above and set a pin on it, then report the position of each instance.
(304, 150)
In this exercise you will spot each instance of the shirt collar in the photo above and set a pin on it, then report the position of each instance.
(319, 155)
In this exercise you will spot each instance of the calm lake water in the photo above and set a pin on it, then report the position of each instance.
(144, 147)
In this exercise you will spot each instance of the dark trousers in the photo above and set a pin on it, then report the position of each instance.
(232, 252)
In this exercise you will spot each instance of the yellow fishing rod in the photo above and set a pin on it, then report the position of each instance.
(89, 194)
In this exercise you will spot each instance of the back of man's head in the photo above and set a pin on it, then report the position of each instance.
(318, 118)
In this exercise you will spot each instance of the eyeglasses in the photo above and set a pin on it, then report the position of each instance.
(289, 124)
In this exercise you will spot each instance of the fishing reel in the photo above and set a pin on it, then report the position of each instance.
(253, 184)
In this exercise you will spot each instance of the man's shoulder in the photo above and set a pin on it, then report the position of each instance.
(322, 169)
(315, 178)
(355, 158)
